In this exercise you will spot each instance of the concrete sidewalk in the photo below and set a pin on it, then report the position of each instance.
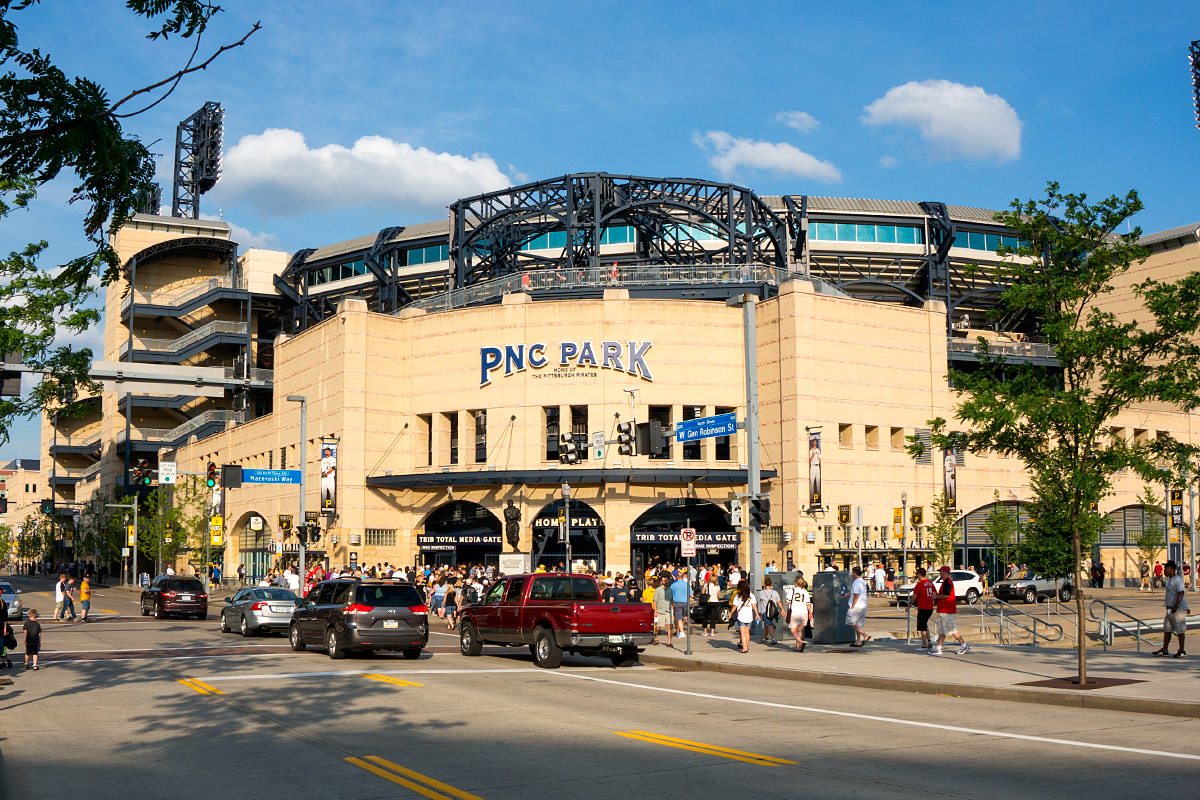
(1154, 685)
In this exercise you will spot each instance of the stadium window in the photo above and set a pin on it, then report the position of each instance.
(846, 232)
(480, 436)
(551, 415)
(845, 435)
(872, 436)
(662, 415)
(722, 445)
(692, 451)
(885, 234)
(864, 233)
(898, 440)
(452, 423)
(579, 430)
(426, 421)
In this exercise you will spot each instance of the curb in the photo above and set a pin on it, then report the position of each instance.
(1016, 694)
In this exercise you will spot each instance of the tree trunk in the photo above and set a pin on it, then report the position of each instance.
(1081, 633)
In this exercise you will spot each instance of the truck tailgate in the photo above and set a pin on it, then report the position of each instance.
(613, 617)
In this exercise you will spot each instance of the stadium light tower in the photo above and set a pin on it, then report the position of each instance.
(1194, 60)
(198, 141)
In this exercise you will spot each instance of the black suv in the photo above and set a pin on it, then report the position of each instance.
(349, 615)
(172, 594)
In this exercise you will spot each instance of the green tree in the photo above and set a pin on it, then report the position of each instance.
(942, 532)
(1056, 421)
(1153, 538)
(7, 544)
(1001, 529)
(51, 124)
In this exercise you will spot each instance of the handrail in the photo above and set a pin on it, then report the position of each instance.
(604, 277)
(175, 345)
(1067, 617)
(1106, 626)
(180, 296)
(992, 605)
(182, 430)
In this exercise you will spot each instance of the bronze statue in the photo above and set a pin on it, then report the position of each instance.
(512, 525)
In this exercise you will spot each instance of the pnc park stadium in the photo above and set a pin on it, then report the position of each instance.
(577, 369)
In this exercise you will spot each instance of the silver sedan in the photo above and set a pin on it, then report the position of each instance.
(11, 600)
(258, 609)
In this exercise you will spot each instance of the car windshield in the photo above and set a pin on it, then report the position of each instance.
(274, 594)
(183, 586)
(1022, 575)
(6, 588)
(390, 595)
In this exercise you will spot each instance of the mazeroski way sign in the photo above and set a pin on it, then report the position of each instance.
(270, 475)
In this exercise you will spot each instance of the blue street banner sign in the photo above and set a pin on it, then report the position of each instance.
(270, 476)
(692, 429)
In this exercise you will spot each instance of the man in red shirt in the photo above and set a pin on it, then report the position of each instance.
(922, 595)
(947, 622)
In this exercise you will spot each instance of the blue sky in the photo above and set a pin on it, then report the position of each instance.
(339, 123)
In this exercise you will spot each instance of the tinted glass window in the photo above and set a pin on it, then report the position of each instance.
(274, 594)
(7, 589)
(175, 585)
(515, 587)
(546, 589)
(342, 594)
(495, 593)
(584, 589)
(325, 596)
(390, 595)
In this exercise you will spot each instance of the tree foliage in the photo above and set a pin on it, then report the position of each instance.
(1057, 421)
(1002, 529)
(1153, 538)
(53, 124)
(942, 532)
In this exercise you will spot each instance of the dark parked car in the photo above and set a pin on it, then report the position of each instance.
(348, 615)
(172, 594)
(699, 612)
(258, 609)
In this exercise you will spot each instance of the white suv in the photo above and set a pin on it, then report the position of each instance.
(968, 587)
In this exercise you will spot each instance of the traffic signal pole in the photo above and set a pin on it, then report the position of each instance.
(748, 302)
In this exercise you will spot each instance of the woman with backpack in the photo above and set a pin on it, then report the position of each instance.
(769, 609)
(745, 612)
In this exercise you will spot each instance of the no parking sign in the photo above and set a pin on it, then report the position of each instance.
(687, 542)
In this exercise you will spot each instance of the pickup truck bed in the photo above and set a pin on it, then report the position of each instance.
(554, 612)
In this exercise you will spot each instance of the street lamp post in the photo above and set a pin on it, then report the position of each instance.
(303, 401)
(566, 494)
(903, 535)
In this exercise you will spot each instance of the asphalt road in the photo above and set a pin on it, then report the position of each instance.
(141, 708)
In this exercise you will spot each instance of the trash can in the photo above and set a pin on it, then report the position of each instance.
(831, 601)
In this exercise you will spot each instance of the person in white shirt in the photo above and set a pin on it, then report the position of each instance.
(170, 570)
(856, 616)
(293, 581)
(799, 610)
(1177, 609)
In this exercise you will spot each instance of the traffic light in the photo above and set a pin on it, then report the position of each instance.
(302, 533)
(651, 439)
(314, 533)
(48, 506)
(625, 439)
(760, 512)
(143, 473)
(568, 451)
(210, 475)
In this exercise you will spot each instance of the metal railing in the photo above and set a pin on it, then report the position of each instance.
(176, 345)
(1066, 618)
(81, 440)
(1007, 349)
(1009, 617)
(180, 431)
(617, 276)
(91, 472)
(256, 375)
(1109, 628)
(177, 297)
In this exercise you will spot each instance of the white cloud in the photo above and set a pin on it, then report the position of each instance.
(887, 162)
(247, 240)
(800, 120)
(278, 172)
(956, 120)
(727, 154)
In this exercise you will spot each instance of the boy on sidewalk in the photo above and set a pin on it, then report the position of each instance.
(33, 639)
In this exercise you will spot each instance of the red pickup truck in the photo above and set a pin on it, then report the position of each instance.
(552, 612)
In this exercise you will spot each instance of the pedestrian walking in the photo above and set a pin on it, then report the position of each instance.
(662, 609)
(60, 594)
(241, 575)
(1144, 571)
(712, 610)
(745, 611)
(85, 598)
(450, 606)
(947, 618)
(679, 603)
(770, 609)
(7, 639)
(923, 594)
(33, 639)
(856, 615)
(1175, 622)
(799, 603)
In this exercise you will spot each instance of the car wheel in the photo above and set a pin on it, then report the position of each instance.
(1030, 596)
(224, 624)
(726, 613)
(245, 628)
(626, 658)
(294, 639)
(972, 596)
(1065, 594)
(159, 613)
(332, 647)
(546, 652)
(145, 611)
(468, 640)
(411, 653)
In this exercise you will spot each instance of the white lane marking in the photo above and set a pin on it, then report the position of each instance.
(272, 675)
(913, 723)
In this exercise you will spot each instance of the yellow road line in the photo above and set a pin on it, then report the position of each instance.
(107, 611)
(433, 789)
(391, 680)
(193, 686)
(709, 749)
(205, 686)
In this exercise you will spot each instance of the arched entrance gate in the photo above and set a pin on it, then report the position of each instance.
(654, 536)
(587, 537)
(460, 532)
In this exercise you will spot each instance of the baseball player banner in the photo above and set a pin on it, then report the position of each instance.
(328, 475)
(814, 468)
(950, 479)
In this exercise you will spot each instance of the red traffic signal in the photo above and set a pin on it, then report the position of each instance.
(210, 474)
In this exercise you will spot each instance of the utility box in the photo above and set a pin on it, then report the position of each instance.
(831, 601)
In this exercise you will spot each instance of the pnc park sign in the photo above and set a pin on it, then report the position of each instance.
(574, 359)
